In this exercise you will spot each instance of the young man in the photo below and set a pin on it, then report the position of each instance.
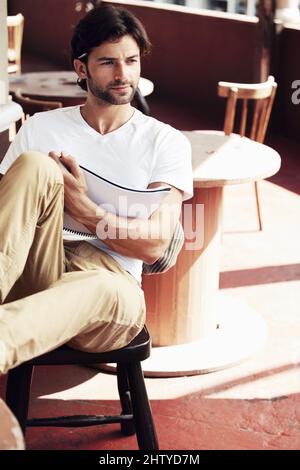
(85, 293)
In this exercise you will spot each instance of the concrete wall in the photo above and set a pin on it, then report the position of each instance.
(48, 26)
(192, 49)
(287, 71)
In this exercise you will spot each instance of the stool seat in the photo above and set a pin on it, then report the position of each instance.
(136, 416)
(139, 349)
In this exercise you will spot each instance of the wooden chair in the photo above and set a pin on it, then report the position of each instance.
(135, 417)
(31, 106)
(263, 95)
(141, 102)
(15, 27)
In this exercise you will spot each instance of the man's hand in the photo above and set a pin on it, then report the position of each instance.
(75, 187)
(151, 236)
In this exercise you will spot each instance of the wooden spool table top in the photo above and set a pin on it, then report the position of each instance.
(220, 160)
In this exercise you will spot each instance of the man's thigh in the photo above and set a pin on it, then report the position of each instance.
(121, 312)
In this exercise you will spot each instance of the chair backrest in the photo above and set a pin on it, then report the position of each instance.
(15, 26)
(262, 94)
(31, 106)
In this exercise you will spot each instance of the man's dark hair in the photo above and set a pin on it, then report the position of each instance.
(102, 24)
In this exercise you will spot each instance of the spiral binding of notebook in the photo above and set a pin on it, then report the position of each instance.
(69, 234)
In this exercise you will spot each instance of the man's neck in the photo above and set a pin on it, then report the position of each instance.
(105, 118)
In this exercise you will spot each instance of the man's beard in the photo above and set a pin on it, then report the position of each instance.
(106, 95)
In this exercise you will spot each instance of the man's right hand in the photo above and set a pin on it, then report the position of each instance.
(77, 203)
(72, 173)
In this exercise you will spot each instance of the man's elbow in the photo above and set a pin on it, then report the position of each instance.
(150, 258)
(155, 251)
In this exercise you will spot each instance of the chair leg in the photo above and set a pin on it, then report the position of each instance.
(18, 392)
(141, 102)
(144, 424)
(127, 427)
(258, 205)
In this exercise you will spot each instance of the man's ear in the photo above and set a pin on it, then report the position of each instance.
(80, 68)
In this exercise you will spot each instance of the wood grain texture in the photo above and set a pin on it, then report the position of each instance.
(181, 303)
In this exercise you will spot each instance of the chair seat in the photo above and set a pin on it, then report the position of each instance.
(138, 349)
(12, 68)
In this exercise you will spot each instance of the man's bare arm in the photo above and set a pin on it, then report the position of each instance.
(137, 238)
(143, 239)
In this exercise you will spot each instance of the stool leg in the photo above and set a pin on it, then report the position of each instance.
(18, 392)
(127, 427)
(144, 424)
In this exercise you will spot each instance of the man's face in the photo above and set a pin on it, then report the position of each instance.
(113, 70)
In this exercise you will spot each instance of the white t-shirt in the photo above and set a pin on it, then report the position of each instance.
(141, 151)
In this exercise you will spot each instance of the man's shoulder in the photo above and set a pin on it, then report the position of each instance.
(153, 124)
(54, 115)
(163, 133)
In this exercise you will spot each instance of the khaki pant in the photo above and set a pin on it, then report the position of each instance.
(50, 292)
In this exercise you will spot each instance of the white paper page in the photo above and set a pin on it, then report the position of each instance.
(127, 202)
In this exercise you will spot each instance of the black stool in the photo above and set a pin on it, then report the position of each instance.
(135, 417)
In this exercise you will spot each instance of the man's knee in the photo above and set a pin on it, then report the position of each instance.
(130, 302)
(34, 162)
(126, 300)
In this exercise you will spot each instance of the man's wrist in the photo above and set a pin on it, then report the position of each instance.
(88, 213)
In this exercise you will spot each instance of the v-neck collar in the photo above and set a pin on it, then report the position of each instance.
(93, 131)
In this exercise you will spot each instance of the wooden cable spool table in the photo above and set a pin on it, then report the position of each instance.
(196, 329)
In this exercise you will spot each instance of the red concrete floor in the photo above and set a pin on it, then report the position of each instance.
(253, 405)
